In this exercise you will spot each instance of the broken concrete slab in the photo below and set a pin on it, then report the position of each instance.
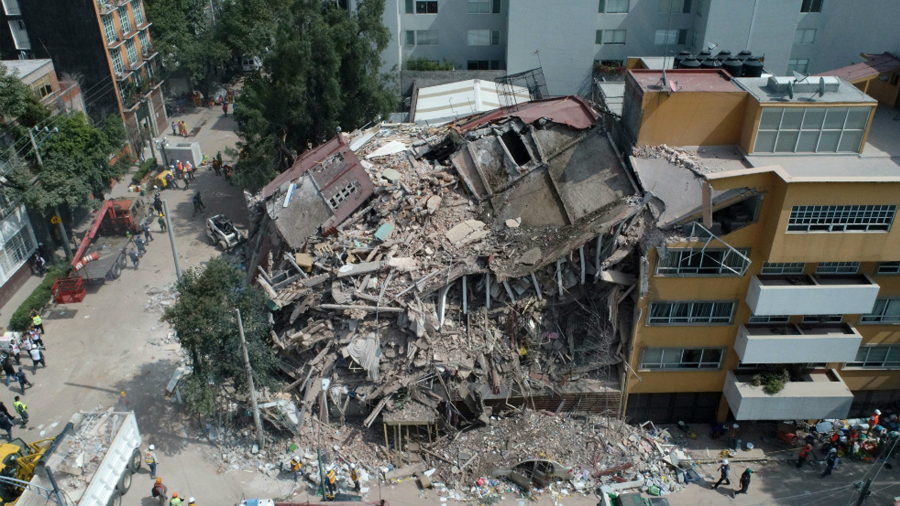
(530, 257)
(391, 175)
(390, 148)
(617, 277)
(467, 232)
(433, 203)
(360, 268)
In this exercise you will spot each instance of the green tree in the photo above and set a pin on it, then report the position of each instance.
(76, 168)
(204, 317)
(322, 74)
(20, 108)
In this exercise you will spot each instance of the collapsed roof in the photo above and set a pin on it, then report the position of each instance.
(473, 267)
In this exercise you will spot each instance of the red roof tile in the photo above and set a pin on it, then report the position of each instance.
(878, 64)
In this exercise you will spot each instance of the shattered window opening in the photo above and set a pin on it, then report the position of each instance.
(841, 218)
(343, 194)
(715, 262)
(736, 216)
(682, 358)
(690, 312)
(516, 147)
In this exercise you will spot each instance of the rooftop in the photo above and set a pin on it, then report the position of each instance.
(876, 65)
(445, 102)
(22, 68)
(572, 111)
(685, 80)
(819, 90)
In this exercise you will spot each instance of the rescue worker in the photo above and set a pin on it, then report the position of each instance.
(830, 461)
(724, 472)
(152, 461)
(175, 501)
(162, 222)
(296, 466)
(21, 408)
(745, 482)
(354, 475)
(191, 502)
(331, 478)
(873, 421)
(159, 492)
(39, 324)
(804, 454)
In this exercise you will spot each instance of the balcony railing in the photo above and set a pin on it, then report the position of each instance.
(765, 343)
(819, 394)
(802, 294)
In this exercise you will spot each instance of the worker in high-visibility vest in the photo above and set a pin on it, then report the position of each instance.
(354, 475)
(37, 321)
(296, 466)
(331, 478)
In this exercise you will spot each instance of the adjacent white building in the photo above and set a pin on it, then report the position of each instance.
(566, 37)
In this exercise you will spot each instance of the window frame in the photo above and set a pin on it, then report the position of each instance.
(846, 214)
(811, 6)
(124, 21)
(802, 34)
(888, 268)
(131, 52)
(675, 6)
(822, 129)
(798, 66)
(601, 37)
(482, 6)
(116, 56)
(677, 36)
(427, 34)
(822, 318)
(109, 30)
(42, 87)
(881, 316)
(663, 365)
(693, 313)
(867, 349)
(17, 250)
(783, 268)
(19, 33)
(782, 318)
(12, 7)
(426, 5)
(837, 267)
(604, 7)
(680, 270)
(138, 12)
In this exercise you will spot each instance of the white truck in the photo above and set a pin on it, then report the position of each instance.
(90, 463)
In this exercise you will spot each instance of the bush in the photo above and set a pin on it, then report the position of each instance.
(143, 170)
(21, 319)
(772, 381)
(429, 65)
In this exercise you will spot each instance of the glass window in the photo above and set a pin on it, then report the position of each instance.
(811, 6)
(614, 6)
(109, 29)
(823, 318)
(410, 9)
(888, 268)
(770, 319)
(805, 36)
(877, 357)
(479, 37)
(42, 87)
(690, 312)
(783, 268)
(410, 38)
(495, 37)
(17, 250)
(131, 50)
(612, 36)
(885, 311)
(841, 218)
(116, 57)
(837, 268)
(674, 6)
(426, 7)
(124, 21)
(19, 34)
(800, 65)
(426, 37)
(138, 12)
(665, 37)
(145, 42)
(811, 129)
(681, 358)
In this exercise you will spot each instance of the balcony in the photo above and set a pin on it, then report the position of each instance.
(821, 394)
(765, 343)
(106, 6)
(118, 41)
(802, 294)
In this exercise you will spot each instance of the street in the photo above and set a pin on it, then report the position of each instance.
(114, 342)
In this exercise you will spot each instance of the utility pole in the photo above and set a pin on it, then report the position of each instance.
(151, 117)
(260, 440)
(172, 239)
(864, 493)
(62, 228)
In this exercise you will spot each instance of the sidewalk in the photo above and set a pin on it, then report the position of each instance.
(17, 299)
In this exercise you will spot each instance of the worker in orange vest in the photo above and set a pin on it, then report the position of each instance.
(804, 454)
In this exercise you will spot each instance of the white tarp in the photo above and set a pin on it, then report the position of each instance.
(366, 351)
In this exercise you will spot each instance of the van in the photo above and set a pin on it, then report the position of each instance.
(250, 63)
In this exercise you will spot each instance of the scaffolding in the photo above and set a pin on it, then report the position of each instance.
(532, 80)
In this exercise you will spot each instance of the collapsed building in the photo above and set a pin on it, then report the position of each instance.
(434, 275)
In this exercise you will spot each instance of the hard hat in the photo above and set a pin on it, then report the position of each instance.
(174, 495)
(191, 500)
(352, 466)
(296, 458)
(122, 393)
(877, 411)
(159, 480)
(833, 450)
(725, 461)
(151, 447)
(735, 426)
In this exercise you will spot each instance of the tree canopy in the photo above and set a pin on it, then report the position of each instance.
(205, 319)
(20, 108)
(323, 73)
(76, 164)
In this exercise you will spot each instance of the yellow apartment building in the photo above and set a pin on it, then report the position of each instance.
(775, 198)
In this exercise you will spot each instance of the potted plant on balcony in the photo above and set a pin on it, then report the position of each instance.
(771, 380)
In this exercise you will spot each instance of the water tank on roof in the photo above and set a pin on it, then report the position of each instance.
(690, 63)
(704, 55)
(733, 66)
(752, 68)
(684, 54)
(710, 63)
(743, 55)
(723, 55)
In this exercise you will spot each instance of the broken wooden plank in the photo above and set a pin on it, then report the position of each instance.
(381, 309)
